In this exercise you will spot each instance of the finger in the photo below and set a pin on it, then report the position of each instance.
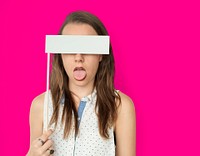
(42, 139)
(42, 142)
(38, 142)
(49, 152)
(48, 144)
(46, 134)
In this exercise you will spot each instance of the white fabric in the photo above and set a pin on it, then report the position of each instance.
(88, 142)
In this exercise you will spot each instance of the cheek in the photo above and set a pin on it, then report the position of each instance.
(94, 67)
(67, 66)
(67, 61)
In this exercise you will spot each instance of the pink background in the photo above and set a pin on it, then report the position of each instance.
(156, 46)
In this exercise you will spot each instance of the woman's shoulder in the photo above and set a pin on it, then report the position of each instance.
(126, 101)
(38, 103)
(126, 108)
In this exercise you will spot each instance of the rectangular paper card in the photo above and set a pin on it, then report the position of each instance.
(73, 44)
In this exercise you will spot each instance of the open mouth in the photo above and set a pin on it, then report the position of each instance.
(79, 73)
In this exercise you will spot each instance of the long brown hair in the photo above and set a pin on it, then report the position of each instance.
(104, 83)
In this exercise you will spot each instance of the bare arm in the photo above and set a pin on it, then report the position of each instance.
(36, 117)
(40, 144)
(125, 128)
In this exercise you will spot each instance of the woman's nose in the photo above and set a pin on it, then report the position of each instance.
(79, 58)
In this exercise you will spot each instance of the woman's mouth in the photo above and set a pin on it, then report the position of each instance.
(79, 73)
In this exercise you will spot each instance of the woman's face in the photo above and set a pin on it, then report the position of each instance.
(80, 68)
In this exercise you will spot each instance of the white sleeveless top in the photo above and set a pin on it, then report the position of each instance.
(88, 142)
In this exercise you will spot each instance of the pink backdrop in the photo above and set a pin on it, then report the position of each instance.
(156, 46)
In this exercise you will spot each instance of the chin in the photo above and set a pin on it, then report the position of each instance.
(81, 83)
(84, 83)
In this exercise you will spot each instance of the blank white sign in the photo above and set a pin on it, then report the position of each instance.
(72, 44)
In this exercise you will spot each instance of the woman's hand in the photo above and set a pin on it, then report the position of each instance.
(42, 146)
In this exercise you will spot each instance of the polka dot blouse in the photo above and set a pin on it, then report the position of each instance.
(88, 142)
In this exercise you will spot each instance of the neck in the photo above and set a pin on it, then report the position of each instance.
(81, 91)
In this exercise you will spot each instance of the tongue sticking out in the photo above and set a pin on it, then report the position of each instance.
(79, 74)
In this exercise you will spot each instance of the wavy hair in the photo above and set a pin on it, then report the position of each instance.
(106, 107)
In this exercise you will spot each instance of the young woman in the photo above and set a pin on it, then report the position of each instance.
(86, 116)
